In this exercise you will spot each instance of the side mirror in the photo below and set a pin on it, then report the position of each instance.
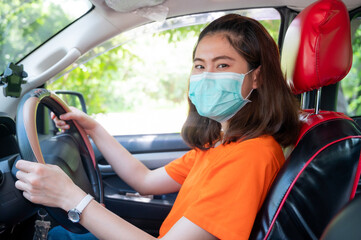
(72, 98)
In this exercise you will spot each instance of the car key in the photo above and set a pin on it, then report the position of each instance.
(41, 227)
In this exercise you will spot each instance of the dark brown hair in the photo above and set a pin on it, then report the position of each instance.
(273, 109)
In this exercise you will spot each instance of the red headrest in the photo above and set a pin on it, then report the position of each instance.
(317, 49)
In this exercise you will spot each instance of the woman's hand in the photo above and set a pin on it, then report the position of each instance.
(48, 185)
(85, 121)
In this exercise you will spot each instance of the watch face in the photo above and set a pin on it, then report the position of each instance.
(74, 215)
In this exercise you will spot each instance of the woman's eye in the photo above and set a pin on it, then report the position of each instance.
(198, 66)
(223, 65)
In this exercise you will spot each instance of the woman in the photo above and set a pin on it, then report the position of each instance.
(241, 114)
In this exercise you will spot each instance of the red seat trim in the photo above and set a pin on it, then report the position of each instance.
(309, 120)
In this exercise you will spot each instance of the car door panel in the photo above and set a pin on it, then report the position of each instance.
(151, 160)
(146, 212)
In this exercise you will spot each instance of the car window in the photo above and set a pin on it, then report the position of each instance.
(25, 25)
(349, 96)
(136, 83)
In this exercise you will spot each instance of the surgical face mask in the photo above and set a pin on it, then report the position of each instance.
(217, 95)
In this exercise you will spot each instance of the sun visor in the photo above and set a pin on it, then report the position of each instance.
(151, 9)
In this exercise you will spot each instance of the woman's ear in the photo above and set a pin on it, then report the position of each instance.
(255, 77)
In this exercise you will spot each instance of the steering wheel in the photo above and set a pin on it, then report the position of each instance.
(71, 150)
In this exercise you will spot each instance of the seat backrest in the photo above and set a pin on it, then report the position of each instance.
(322, 172)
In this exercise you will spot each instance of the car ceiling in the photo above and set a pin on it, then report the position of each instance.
(103, 23)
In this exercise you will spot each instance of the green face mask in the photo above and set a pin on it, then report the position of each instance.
(217, 95)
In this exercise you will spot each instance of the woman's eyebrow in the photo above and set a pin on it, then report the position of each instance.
(198, 59)
(223, 57)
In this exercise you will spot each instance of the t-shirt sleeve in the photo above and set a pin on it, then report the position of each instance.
(233, 192)
(179, 168)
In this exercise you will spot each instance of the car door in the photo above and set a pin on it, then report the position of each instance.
(135, 85)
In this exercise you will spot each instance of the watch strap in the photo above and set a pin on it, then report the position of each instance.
(84, 202)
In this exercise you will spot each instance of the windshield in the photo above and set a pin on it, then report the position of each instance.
(25, 25)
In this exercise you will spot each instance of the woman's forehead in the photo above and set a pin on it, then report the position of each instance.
(215, 45)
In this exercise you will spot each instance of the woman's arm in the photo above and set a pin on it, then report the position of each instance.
(48, 185)
(131, 170)
(106, 225)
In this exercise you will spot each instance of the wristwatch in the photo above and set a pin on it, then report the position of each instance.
(74, 213)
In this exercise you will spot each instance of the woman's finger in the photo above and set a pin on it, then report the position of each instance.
(21, 185)
(74, 114)
(60, 123)
(27, 195)
(22, 176)
(26, 166)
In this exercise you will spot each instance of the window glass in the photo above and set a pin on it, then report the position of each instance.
(136, 83)
(349, 97)
(25, 25)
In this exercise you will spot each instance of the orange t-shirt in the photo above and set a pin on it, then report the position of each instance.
(224, 187)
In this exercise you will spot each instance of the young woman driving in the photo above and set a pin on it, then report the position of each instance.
(241, 114)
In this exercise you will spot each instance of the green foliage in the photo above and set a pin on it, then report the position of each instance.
(179, 34)
(94, 79)
(351, 85)
(122, 80)
(25, 25)
(273, 27)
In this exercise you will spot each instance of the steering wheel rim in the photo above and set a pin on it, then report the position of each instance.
(30, 149)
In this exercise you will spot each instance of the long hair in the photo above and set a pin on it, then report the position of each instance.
(273, 109)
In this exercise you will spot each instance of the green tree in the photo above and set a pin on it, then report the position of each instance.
(25, 25)
(351, 85)
(120, 80)
(97, 79)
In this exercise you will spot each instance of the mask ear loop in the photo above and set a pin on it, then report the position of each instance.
(249, 71)
(249, 94)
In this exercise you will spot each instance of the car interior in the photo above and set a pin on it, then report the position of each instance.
(314, 196)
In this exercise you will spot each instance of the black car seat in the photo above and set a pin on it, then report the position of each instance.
(322, 172)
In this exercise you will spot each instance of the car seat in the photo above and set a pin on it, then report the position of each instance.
(322, 172)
